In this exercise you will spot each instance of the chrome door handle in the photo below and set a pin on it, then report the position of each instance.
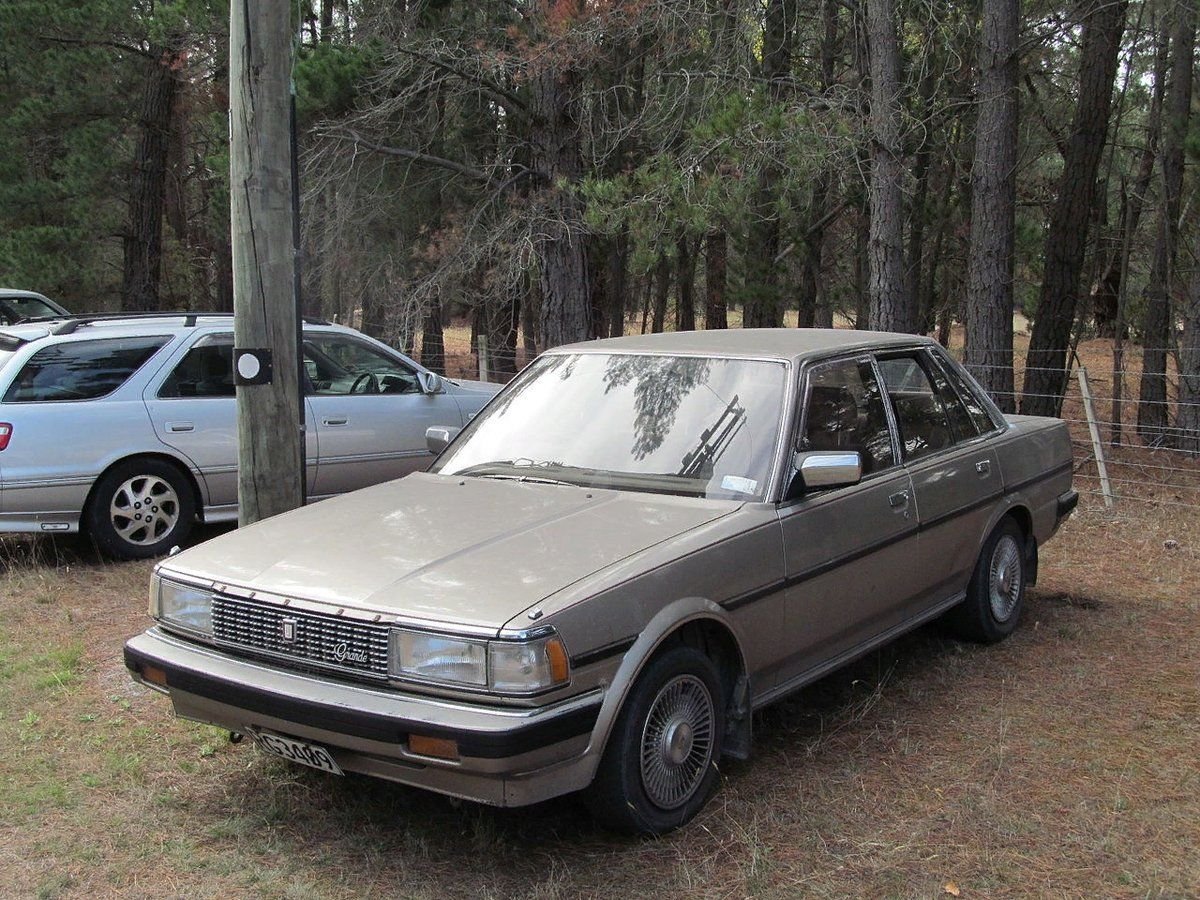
(984, 467)
(334, 420)
(177, 427)
(898, 499)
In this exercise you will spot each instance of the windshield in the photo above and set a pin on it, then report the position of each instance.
(16, 309)
(666, 424)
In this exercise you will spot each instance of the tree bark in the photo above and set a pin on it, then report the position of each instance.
(561, 245)
(1066, 238)
(433, 341)
(989, 331)
(1187, 422)
(891, 307)
(685, 301)
(716, 266)
(1157, 331)
(662, 289)
(142, 268)
(763, 304)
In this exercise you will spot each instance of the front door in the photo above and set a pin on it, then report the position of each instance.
(850, 551)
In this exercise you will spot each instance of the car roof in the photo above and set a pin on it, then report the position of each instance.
(752, 343)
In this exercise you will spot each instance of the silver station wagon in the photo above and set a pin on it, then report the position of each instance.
(126, 426)
(635, 545)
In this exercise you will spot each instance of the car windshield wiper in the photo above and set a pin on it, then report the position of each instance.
(519, 470)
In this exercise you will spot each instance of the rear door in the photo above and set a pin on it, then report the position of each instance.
(194, 411)
(955, 473)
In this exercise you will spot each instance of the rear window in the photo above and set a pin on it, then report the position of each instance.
(81, 370)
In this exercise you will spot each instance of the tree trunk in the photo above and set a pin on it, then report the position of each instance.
(1187, 422)
(1066, 238)
(561, 244)
(433, 340)
(1106, 299)
(763, 302)
(1157, 330)
(891, 308)
(989, 311)
(685, 304)
(662, 288)
(143, 238)
(716, 274)
(618, 283)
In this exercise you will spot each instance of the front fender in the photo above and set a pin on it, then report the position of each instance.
(665, 623)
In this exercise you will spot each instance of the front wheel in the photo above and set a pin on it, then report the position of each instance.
(140, 508)
(996, 593)
(660, 765)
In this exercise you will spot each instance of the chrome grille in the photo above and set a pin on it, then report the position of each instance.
(348, 645)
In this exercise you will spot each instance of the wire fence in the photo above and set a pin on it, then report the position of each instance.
(1119, 459)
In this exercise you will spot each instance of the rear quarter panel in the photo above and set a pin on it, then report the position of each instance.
(1035, 457)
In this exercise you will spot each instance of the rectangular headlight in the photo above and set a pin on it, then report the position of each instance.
(184, 605)
(437, 657)
(510, 667)
(528, 666)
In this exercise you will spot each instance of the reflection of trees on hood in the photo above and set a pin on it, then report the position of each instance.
(661, 384)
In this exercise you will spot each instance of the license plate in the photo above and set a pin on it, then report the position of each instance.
(298, 752)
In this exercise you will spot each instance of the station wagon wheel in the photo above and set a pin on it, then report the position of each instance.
(996, 592)
(140, 508)
(660, 764)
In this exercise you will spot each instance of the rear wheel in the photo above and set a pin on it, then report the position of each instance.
(660, 765)
(140, 508)
(996, 593)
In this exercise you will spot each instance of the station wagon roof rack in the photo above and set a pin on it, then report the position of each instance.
(69, 325)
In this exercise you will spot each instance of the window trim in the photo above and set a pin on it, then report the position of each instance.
(948, 364)
(802, 410)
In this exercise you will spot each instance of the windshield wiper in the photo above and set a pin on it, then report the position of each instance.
(516, 470)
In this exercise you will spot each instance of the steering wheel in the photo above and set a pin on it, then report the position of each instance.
(369, 384)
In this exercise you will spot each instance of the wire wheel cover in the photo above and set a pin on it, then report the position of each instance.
(144, 509)
(677, 742)
(1005, 575)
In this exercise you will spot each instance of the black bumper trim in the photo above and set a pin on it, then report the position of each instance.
(1067, 503)
(370, 726)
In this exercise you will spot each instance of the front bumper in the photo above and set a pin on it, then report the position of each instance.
(508, 757)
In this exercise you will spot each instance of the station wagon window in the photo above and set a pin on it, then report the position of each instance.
(340, 366)
(81, 370)
(205, 371)
(920, 413)
(844, 411)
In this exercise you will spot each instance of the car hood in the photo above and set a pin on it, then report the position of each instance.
(455, 551)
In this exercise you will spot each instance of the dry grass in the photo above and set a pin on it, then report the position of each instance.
(1060, 763)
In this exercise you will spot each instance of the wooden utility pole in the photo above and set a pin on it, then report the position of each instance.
(270, 436)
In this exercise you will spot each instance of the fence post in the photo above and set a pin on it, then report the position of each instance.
(484, 366)
(1094, 431)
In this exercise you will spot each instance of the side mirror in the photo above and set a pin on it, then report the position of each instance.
(826, 469)
(431, 383)
(438, 437)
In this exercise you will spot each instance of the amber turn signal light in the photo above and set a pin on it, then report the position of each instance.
(154, 675)
(440, 748)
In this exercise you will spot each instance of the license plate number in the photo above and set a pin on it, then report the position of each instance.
(298, 752)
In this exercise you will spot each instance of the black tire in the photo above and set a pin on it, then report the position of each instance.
(140, 508)
(996, 593)
(640, 788)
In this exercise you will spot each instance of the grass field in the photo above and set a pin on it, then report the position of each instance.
(1061, 763)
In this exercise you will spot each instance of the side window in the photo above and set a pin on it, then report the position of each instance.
(844, 411)
(81, 370)
(960, 420)
(971, 397)
(340, 365)
(920, 415)
(206, 370)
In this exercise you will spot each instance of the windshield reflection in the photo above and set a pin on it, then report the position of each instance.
(680, 425)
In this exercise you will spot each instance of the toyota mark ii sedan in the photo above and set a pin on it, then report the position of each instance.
(635, 545)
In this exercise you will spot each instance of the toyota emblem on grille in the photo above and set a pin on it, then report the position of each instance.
(287, 630)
